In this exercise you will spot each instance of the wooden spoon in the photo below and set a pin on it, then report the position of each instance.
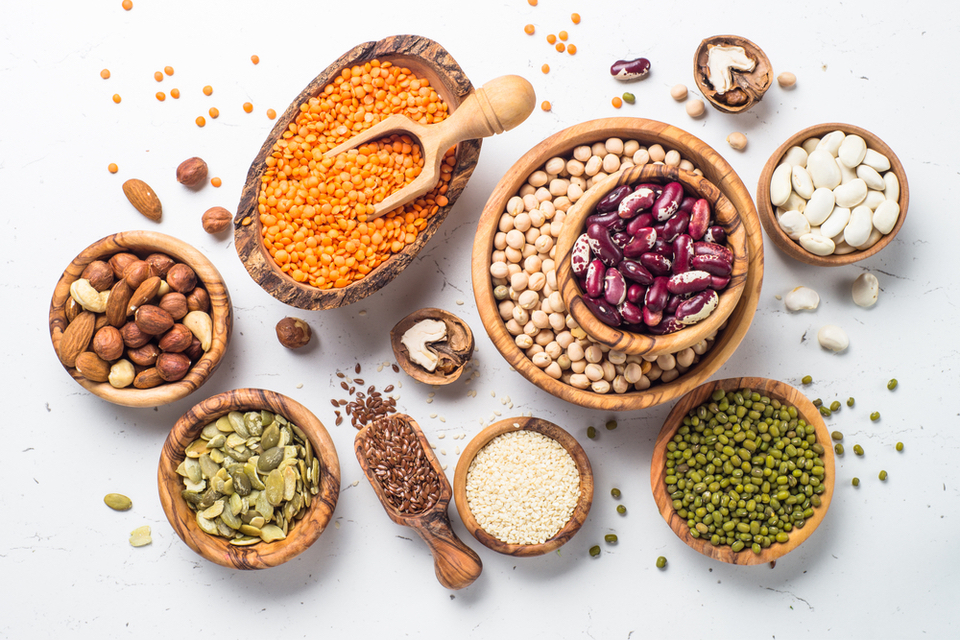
(456, 564)
(498, 106)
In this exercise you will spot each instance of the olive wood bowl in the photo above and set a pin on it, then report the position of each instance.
(768, 216)
(775, 390)
(647, 132)
(143, 243)
(455, 564)
(545, 428)
(726, 215)
(427, 59)
(459, 340)
(749, 85)
(261, 555)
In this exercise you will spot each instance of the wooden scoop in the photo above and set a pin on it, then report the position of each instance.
(498, 106)
(456, 564)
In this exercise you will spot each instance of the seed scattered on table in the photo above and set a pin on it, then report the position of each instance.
(117, 501)
(661, 562)
(140, 536)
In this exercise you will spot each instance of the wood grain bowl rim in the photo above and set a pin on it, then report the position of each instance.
(775, 390)
(768, 217)
(453, 86)
(634, 343)
(262, 555)
(550, 430)
(221, 312)
(715, 169)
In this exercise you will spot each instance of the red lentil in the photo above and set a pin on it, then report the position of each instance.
(545, 68)
(112, 167)
(617, 102)
(255, 59)
(572, 49)
(158, 76)
(562, 35)
(105, 74)
(271, 114)
(551, 38)
(561, 47)
(529, 29)
(127, 5)
(216, 182)
(116, 98)
(174, 93)
(207, 90)
(545, 105)
(247, 107)
(214, 112)
(201, 121)
(160, 96)
(168, 70)
(575, 17)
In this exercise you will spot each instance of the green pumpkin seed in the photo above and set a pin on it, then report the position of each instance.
(263, 506)
(257, 521)
(196, 449)
(250, 530)
(231, 520)
(235, 504)
(275, 487)
(117, 501)
(239, 456)
(250, 470)
(270, 460)
(207, 526)
(241, 482)
(266, 418)
(217, 441)
(245, 541)
(271, 437)
(192, 469)
(217, 456)
(271, 532)
(210, 431)
(290, 478)
(226, 423)
(208, 467)
(283, 421)
(140, 536)
(214, 510)
(192, 497)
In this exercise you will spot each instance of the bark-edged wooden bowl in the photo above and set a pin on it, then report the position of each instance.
(143, 243)
(647, 132)
(549, 430)
(766, 387)
(302, 533)
(748, 86)
(457, 349)
(617, 338)
(427, 59)
(769, 217)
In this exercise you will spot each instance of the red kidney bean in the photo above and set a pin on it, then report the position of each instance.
(657, 295)
(667, 325)
(642, 221)
(614, 287)
(715, 265)
(718, 283)
(635, 292)
(653, 186)
(675, 226)
(663, 248)
(713, 249)
(668, 202)
(641, 243)
(656, 263)
(611, 201)
(631, 313)
(604, 312)
(672, 303)
(688, 282)
(682, 252)
(580, 255)
(716, 234)
(610, 221)
(698, 307)
(686, 205)
(633, 270)
(651, 318)
(640, 200)
(593, 282)
(630, 69)
(699, 219)
(621, 239)
(603, 246)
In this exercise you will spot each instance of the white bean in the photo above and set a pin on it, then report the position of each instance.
(802, 182)
(858, 229)
(850, 194)
(834, 224)
(851, 150)
(876, 160)
(820, 206)
(780, 184)
(794, 224)
(891, 189)
(795, 156)
(870, 176)
(818, 245)
(886, 215)
(831, 142)
(823, 169)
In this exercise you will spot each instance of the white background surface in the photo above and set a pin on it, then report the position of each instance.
(882, 564)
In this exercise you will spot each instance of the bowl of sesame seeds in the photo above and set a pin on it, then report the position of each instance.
(523, 487)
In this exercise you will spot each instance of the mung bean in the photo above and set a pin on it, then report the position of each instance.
(836, 435)
(826, 412)
(850, 401)
(874, 416)
(661, 562)
(629, 98)
(855, 482)
(818, 403)
(591, 432)
(857, 449)
(595, 550)
(835, 406)
(892, 384)
(615, 492)
(621, 509)
(611, 425)
(899, 446)
(807, 380)
(610, 538)
(838, 448)
(883, 476)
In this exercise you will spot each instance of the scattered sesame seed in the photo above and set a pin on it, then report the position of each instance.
(442, 419)
(429, 400)
(460, 302)
(440, 436)
(443, 452)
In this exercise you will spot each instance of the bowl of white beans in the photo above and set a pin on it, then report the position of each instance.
(515, 269)
(832, 194)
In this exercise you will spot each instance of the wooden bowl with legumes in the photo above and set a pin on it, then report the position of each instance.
(281, 188)
(144, 293)
(506, 463)
(583, 148)
(777, 484)
(872, 195)
(247, 518)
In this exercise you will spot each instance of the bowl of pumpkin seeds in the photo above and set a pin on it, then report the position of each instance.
(249, 478)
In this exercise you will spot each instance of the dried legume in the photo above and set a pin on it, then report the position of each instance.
(850, 401)
(899, 446)
(892, 384)
(595, 550)
(112, 168)
(622, 510)
(208, 90)
(615, 492)
(175, 93)
(105, 74)
(883, 476)
(855, 482)
(874, 416)
(661, 562)
(255, 59)
(610, 538)
(807, 380)
(591, 432)
(857, 449)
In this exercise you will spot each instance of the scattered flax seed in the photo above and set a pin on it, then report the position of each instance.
(388, 389)
(396, 368)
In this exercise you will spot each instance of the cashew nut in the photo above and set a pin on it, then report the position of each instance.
(87, 297)
(201, 326)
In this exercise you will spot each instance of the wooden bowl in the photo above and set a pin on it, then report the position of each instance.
(618, 339)
(748, 85)
(143, 243)
(459, 341)
(427, 59)
(647, 132)
(302, 533)
(768, 216)
(775, 390)
(551, 431)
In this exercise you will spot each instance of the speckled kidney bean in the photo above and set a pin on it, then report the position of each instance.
(642, 242)
(665, 326)
(642, 221)
(688, 282)
(580, 255)
(718, 283)
(713, 249)
(656, 264)
(642, 198)
(672, 303)
(682, 253)
(668, 202)
(603, 246)
(633, 270)
(604, 311)
(651, 318)
(614, 287)
(630, 69)
(635, 293)
(621, 239)
(699, 219)
(663, 248)
(716, 234)
(612, 200)
(697, 307)
(610, 221)
(657, 295)
(715, 265)
(593, 280)
(686, 205)
(630, 312)
(675, 226)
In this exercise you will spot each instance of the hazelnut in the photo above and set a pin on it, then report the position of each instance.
(174, 303)
(137, 273)
(147, 379)
(195, 350)
(172, 366)
(181, 278)
(160, 262)
(132, 336)
(192, 172)
(108, 343)
(293, 333)
(177, 339)
(120, 261)
(198, 300)
(145, 356)
(153, 320)
(99, 274)
(92, 367)
(216, 219)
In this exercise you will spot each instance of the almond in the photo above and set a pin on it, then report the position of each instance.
(177, 339)
(192, 172)
(99, 274)
(118, 303)
(147, 379)
(172, 366)
(143, 199)
(144, 294)
(216, 219)
(108, 343)
(93, 367)
(153, 320)
(76, 338)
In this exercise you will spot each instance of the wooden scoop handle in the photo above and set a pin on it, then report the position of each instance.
(456, 564)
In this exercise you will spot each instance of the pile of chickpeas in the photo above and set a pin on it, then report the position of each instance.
(524, 274)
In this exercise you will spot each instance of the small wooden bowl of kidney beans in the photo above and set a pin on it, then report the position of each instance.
(652, 261)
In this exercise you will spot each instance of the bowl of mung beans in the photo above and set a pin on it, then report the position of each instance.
(523, 487)
(301, 227)
(743, 470)
(516, 286)
(249, 478)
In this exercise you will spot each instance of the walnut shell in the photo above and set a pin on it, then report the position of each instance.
(453, 353)
(749, 86)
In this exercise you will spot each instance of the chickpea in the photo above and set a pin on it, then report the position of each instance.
(620, 385)
(609, 370)
(564, 338)
(632, 373)
(575, 192)
(654, 373)
(556, 321)
(695, 108)
(513, 255)
(657, 153)
(686, 357)
(506, 223)
(522, 222)
(641, 157)
(515, 238)
(593, 166)
(534, 350)
(554, 370)
(630, 147)
(530, 329)
(505, 309)
(600, 386)
(531, 237)
(523, 341)
(543, 244)
(543, 194)
(594, 372)
(538, 179)
(544, 338)
(574, 167)
(593, 353)
(540, 319)
(575, 352)
(599, 149)
(666, 361)
(611, 163)
(672, 159)
(541, 360)
(643, 383)
(555, 165)
(528, 250)
(548, 209)
(530, 201)
(537, 218)
(616, 357)
(514, 328)
(538, 281)
(577, 366)
(580, 381)
(500, 241)
(669, 376)
(498, 256)
(527, 301)
(553, 349)
(582, 153)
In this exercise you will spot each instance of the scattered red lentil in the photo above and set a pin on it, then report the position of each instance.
(216, 182)
(207, 90)
(545, 105)
(116, 98)
(255, 59)
(158, 76)
(617, 102)
(562, 35)
(532, 3)
(271, 114)
(112, 167)
(160, 96)
(575, 17)
(551, 38)
(561, 47)
(168, 70)
(572, 49)
(214, 112)
(127, 5)
(247, 107)
(201, 121)
(545, 68)
(529, 29)
(105, 74)
(174, 93)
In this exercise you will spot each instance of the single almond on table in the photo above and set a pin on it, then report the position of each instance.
(143, 198)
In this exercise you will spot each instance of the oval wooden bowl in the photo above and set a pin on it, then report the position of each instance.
(458, 333)
(183, 519)
(768, 216)
(775, 390)
(427, 59)
(636, 343)
(647, 132)
(754, 83)
(550, 430)
(143, 243)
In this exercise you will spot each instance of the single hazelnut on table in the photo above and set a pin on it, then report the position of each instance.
(192, 172)
(216, 219)
(293, 333)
